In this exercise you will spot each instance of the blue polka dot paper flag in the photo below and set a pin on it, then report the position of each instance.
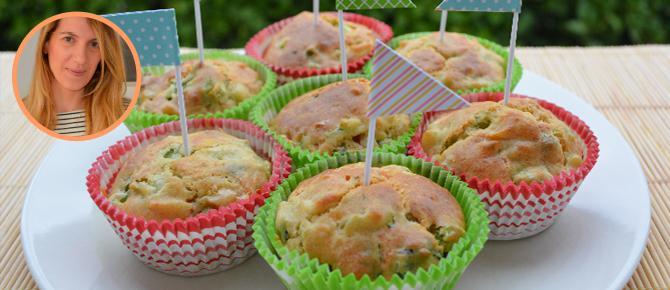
(154, 34)
(481, 5)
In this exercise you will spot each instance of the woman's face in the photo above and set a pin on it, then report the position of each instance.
(73, 53)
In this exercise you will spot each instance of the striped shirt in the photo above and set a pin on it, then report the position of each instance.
(73, 123)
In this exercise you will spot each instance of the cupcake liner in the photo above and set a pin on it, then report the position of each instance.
(275, 101)
(206, 243)
(257, 44)
(522, 210)
(517, 69)
(138, 119)
(298, 271)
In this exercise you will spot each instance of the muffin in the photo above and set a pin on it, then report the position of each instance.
(415, 227)
(159, 81)
(520, 142)
(213, 86)
(460, 62)
(163, 207)
(302, 44)
(333, 119)
(526, 159)
(296, 48)
(158, 182)
(400, 223)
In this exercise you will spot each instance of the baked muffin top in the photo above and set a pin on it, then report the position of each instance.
(518, 142)
(158, 182)
(333, 119)
(302, 44)
(461, 63)
(214, 86)
(399, 223)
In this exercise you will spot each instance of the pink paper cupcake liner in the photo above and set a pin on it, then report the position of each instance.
(256, 46)
(522, 210)
(206, 243)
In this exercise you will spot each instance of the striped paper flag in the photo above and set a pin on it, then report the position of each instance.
(399, 86)
(373, 4)
(481, 5)
(154, 34)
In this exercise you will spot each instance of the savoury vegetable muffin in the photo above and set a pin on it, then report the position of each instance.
(213, 86)
(158, 182)
(333, 119)
(461, 63)
(302, 44)
(400, 222)
(518, 142)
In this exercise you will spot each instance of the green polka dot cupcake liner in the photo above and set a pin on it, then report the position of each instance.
(298, 271)
(517, 69)
(138, 119)
(273, 103)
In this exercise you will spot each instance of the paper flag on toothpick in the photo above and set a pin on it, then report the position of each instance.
(489, 6)
(481, 5)
(399, 86)
(373, 4)
(154, 35)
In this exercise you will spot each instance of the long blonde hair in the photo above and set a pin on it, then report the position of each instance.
(102, 95)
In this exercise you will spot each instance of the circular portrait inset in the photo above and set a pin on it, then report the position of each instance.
(75, 76)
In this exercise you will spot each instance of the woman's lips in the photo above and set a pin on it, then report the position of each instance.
(76, 72)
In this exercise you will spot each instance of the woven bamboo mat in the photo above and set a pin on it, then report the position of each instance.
(629, 85)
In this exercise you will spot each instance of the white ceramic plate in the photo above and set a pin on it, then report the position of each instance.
(595, 244)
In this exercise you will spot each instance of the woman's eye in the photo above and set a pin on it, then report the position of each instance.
(68, 39)
(94, 44)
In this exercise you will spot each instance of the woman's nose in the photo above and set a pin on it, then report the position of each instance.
(79, 54)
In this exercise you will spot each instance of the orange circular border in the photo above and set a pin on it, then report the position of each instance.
(138, 73)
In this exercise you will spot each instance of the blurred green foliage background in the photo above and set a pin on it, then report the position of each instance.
(230, 23)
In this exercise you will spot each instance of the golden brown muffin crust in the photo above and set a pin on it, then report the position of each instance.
(458, 62)
(158, 182)
(400, 223)
(302, 44)
(333, 118)
(519, 142)
(214, 86)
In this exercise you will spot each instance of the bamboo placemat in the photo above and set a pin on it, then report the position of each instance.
(629, 85)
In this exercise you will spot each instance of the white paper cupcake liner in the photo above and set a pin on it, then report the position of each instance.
(522, 210)
(206, 243)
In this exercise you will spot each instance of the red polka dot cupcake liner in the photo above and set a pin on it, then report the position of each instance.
(257, 44)
(522, 210)
(206, 243)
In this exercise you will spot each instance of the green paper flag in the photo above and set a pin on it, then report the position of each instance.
(373, 4)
